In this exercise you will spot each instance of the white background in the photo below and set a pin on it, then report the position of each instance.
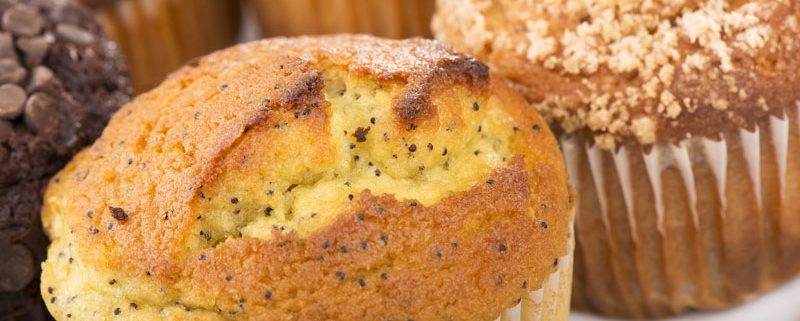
(782, 304)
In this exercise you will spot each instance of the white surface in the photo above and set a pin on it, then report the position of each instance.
(782, 304)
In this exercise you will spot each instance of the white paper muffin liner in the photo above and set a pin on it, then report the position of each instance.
(551, 301)
(698, 224)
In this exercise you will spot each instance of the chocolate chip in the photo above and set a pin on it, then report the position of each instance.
(7, 46)
(11, 71)
(6, 129)
(33, 49)
(39, 112)
(69, 13)
(74, 34)
(16, 267)
(22, 21)
(12, 99)
(41, 79)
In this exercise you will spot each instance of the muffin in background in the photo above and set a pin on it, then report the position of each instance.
(679, 121)
(385, 18)
(330, 178)
(60, 81)
(158, 36)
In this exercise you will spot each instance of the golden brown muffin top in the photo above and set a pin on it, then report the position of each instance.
(344, 178)
(637, 71)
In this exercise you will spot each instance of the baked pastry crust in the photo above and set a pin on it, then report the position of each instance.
(337, 177)
(637, 71)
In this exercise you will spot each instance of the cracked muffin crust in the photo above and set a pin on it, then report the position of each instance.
(637, 71)
(345, 177)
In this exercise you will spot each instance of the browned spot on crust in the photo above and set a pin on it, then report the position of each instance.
(415, 102)
(118, 214)
(361, 134)
(307, 91)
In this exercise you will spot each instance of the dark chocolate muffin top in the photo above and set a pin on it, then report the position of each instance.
(61, 79)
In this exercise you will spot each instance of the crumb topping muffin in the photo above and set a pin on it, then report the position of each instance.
(638, 71)
(341, 177)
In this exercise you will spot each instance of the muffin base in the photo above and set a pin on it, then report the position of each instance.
(656, 236)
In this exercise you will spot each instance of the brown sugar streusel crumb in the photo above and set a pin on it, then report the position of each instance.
(637, 71)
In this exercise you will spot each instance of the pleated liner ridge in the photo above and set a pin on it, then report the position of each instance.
(700, 224)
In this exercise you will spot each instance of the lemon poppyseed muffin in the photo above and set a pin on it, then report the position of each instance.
(336, 178)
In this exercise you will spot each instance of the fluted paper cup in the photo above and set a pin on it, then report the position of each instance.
(385, 18)
(159, 36)
(703, 223)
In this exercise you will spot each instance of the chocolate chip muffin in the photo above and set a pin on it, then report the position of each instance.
(332, 178)
(680, 123)
(60, 81)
